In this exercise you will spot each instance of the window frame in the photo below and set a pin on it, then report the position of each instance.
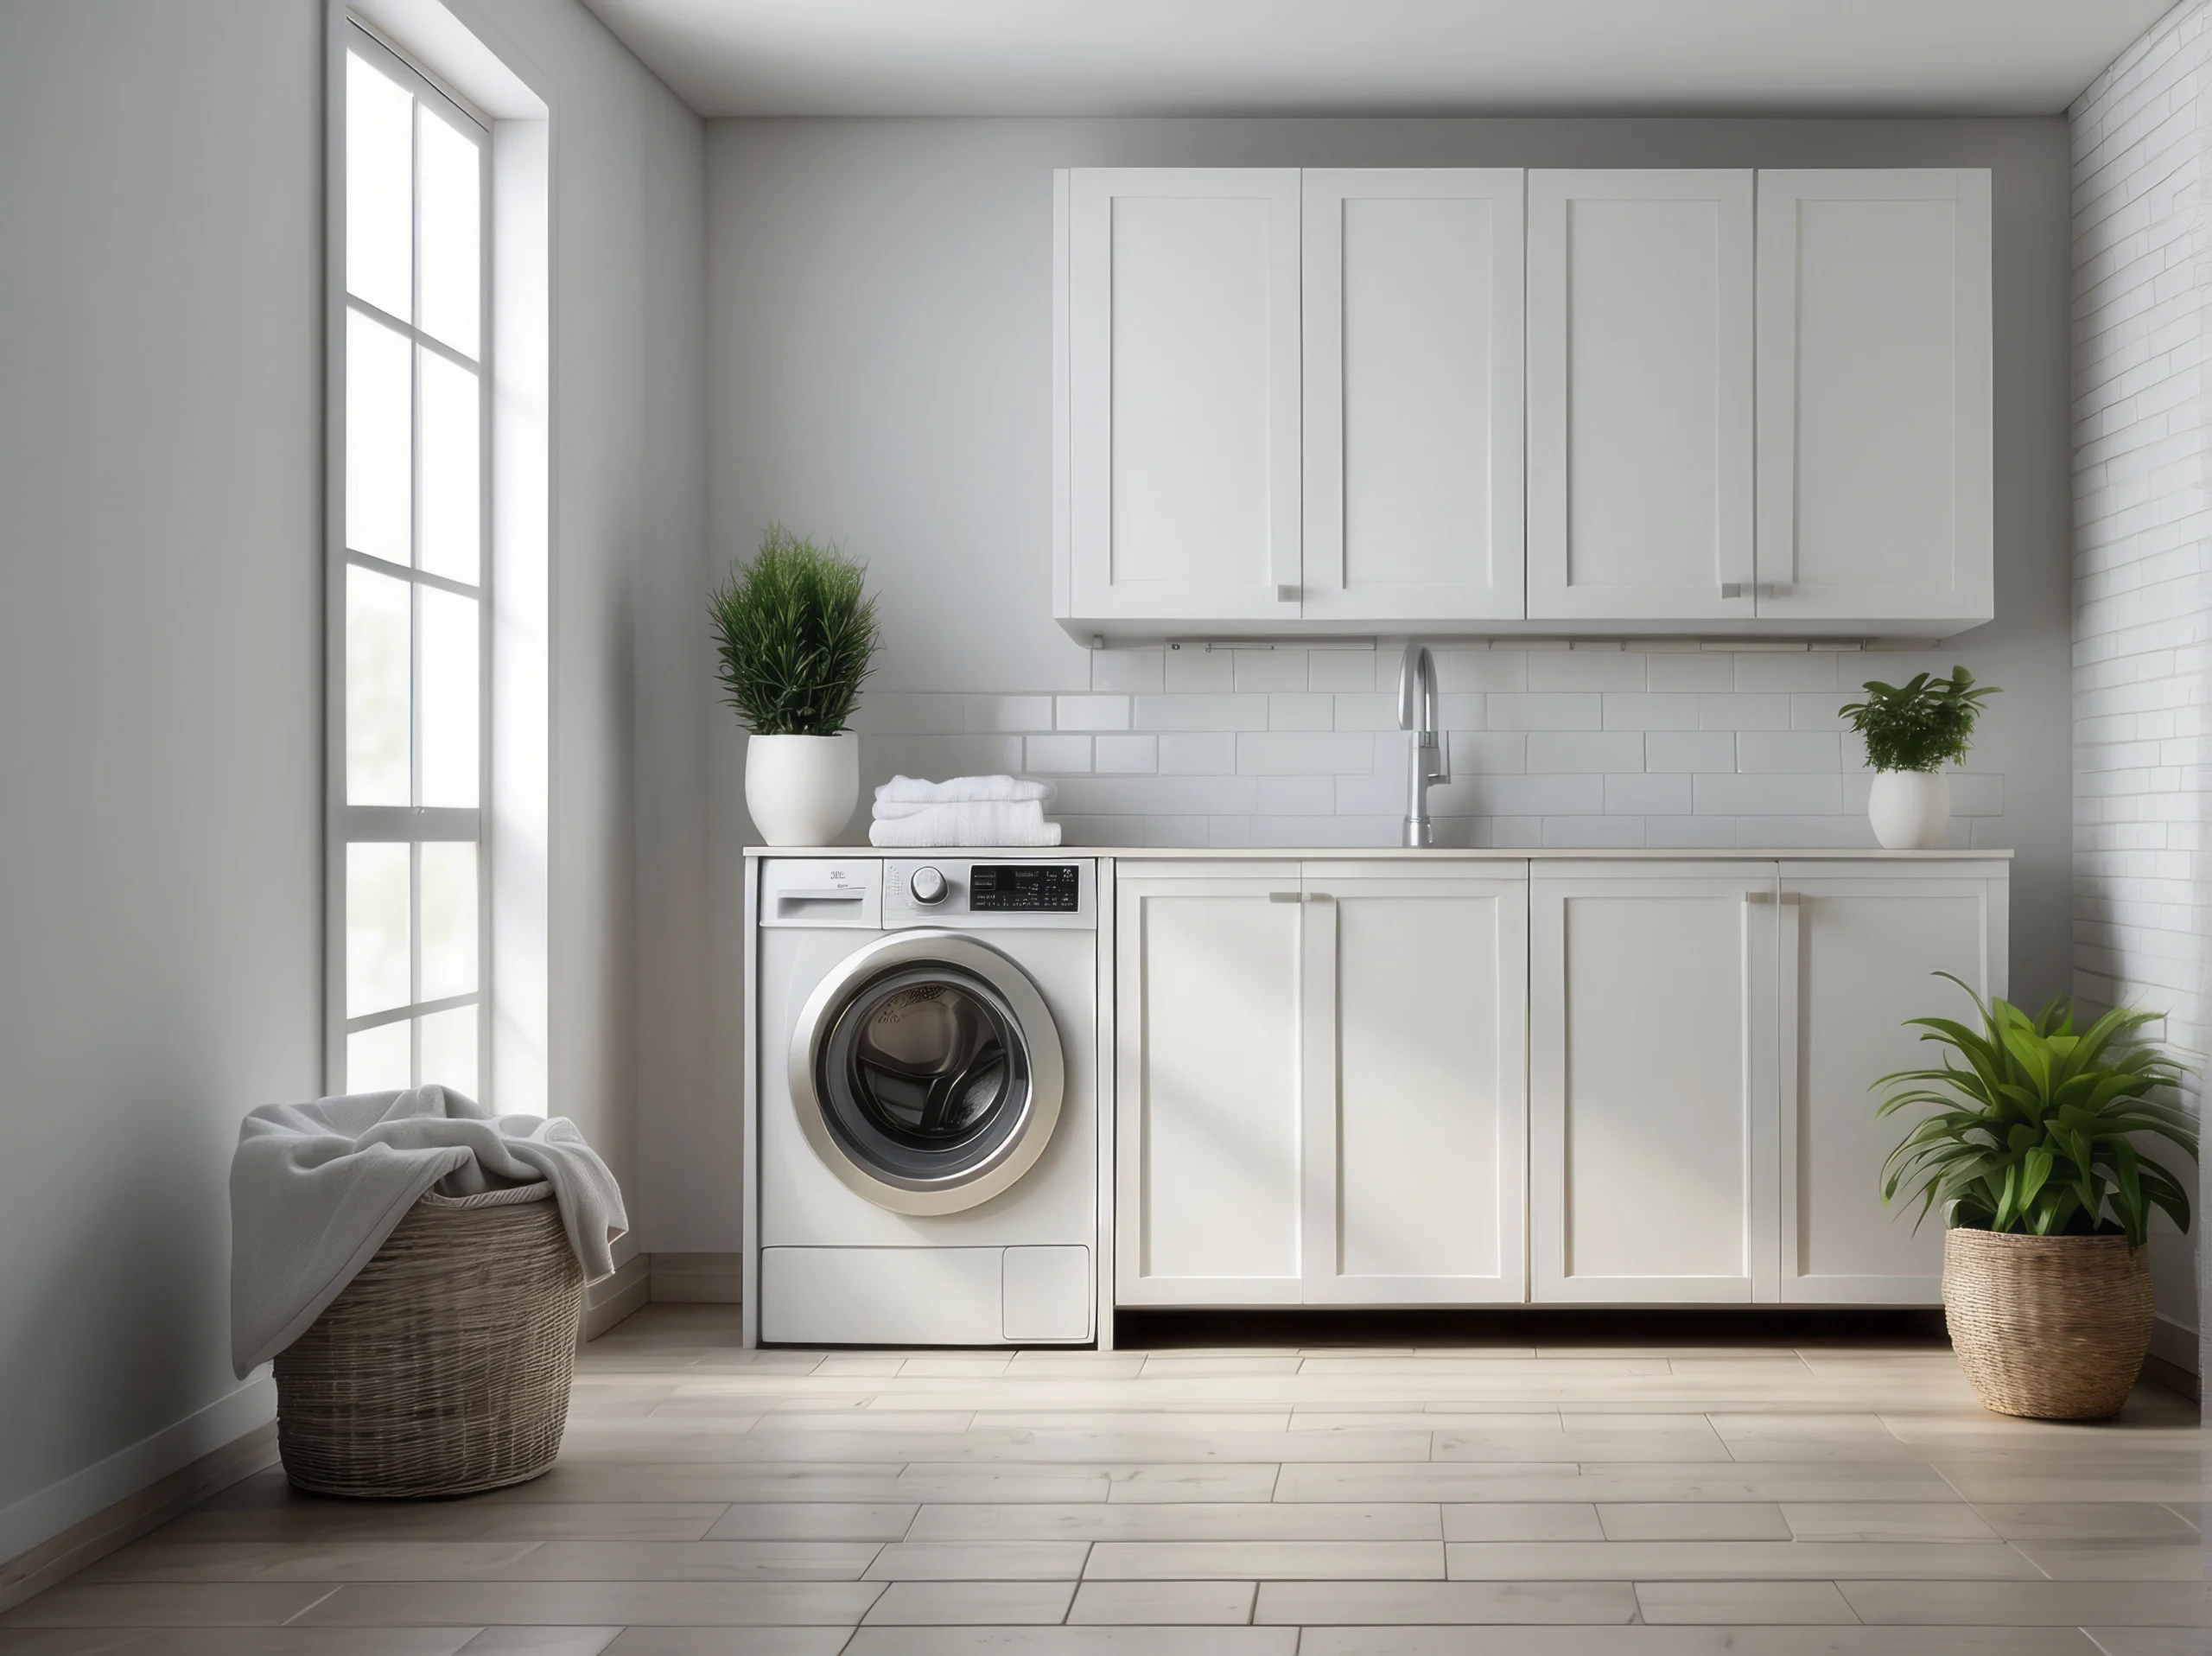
(412, 824)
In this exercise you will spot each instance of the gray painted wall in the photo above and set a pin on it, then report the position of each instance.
(161, 418)
(879, 330)
(160, 667)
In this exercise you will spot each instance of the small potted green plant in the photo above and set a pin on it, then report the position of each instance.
(1912, 731)
(797, 636)
(2032, 1157)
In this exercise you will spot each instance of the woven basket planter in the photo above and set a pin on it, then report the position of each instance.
(444, 1366)
(2053, 1327)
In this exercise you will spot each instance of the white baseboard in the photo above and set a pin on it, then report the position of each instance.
(611, 1299)
(698, 1278)
(2174, 1342)
(108, 1497)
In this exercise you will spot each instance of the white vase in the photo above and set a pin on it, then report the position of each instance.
(801, 790)
(1909, 808)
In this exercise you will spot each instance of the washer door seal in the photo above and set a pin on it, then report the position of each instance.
(927, 1072)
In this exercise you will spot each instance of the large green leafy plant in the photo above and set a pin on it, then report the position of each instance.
(2034, 1124)
(1923, 724)
(797, 635)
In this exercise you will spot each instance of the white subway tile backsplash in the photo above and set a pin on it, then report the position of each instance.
(1584, 711)
(1768, 796)
(1743, 712)
(1636, 711)
(1467, 670)
(1689, 750)
(1666, 794)
(1786, 670)
(1178, 712)
(1009, 713)
(1129, 673)
(1270, 669)
(1689, 833)
(1373, 710)
(1092, 713)
(1294, 796)
(1336, 669)
(1059, 755)
(1689, 673)
(1625, 833)
(1663, 743)
(1585, 750)
(1789, 750)
(1198, 753)
(1193, 668)
(1615, 670)
(1470, 752)
(1541, 796)
(1279, 753)
(1125, 755)
(1302, 711)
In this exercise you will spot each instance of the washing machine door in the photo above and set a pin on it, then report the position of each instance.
(927, 1072)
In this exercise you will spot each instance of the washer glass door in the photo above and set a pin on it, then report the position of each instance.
(924, 1077)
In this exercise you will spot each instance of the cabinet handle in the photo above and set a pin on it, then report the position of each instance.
(1283, 896)
(1732, 589)
(1285, 593)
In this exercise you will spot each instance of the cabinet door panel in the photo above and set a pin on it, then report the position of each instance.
(1415, 1098)
(1858, 951)
(1651, 1099)
(1183, 319)
(1640, 395)
(1206, 1086)
(1413, 394)
(1875, 416)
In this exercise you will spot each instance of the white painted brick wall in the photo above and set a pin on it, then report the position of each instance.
(2143, 599)
(2143, 625)
(1668, 743)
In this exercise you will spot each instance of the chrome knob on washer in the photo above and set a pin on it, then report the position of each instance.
(927, 885)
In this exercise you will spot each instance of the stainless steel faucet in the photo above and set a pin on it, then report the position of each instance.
(1427, 763)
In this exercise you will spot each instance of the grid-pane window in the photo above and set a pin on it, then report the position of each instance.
(411, 685)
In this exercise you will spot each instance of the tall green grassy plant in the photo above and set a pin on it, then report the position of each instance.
(1923, 724)
(2035, 1125)
(797, 636)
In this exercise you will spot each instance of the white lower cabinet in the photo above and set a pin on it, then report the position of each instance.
(1859, 945)
(1319, 1086)
(1585, 1081)
(1651, 1035)
(1205, 1084)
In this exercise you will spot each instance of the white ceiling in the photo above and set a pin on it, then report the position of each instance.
(1197, 57)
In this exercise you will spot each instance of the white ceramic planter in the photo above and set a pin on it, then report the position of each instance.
(1909, 808)
(801, 790)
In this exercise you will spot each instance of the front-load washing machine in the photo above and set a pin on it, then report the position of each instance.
(924, 1071)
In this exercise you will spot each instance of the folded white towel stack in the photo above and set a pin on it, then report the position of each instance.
(966, 810)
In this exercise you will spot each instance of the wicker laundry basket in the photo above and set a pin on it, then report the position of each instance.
(2051, 1328)
(444, 1366)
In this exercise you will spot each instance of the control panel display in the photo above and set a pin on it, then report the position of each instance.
(1037, 888)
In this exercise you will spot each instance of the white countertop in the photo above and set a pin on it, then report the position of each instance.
(1397, 853)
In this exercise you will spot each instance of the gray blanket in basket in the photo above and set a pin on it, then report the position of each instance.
(316, 1188)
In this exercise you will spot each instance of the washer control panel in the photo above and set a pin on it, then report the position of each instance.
(983, 893)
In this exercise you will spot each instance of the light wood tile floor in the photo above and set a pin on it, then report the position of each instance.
(1843, 1498)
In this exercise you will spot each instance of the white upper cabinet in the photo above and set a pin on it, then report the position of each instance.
(1874, 419)
(1486, 401)
(1413, 309)
(1182, 322)
(1640, 346)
